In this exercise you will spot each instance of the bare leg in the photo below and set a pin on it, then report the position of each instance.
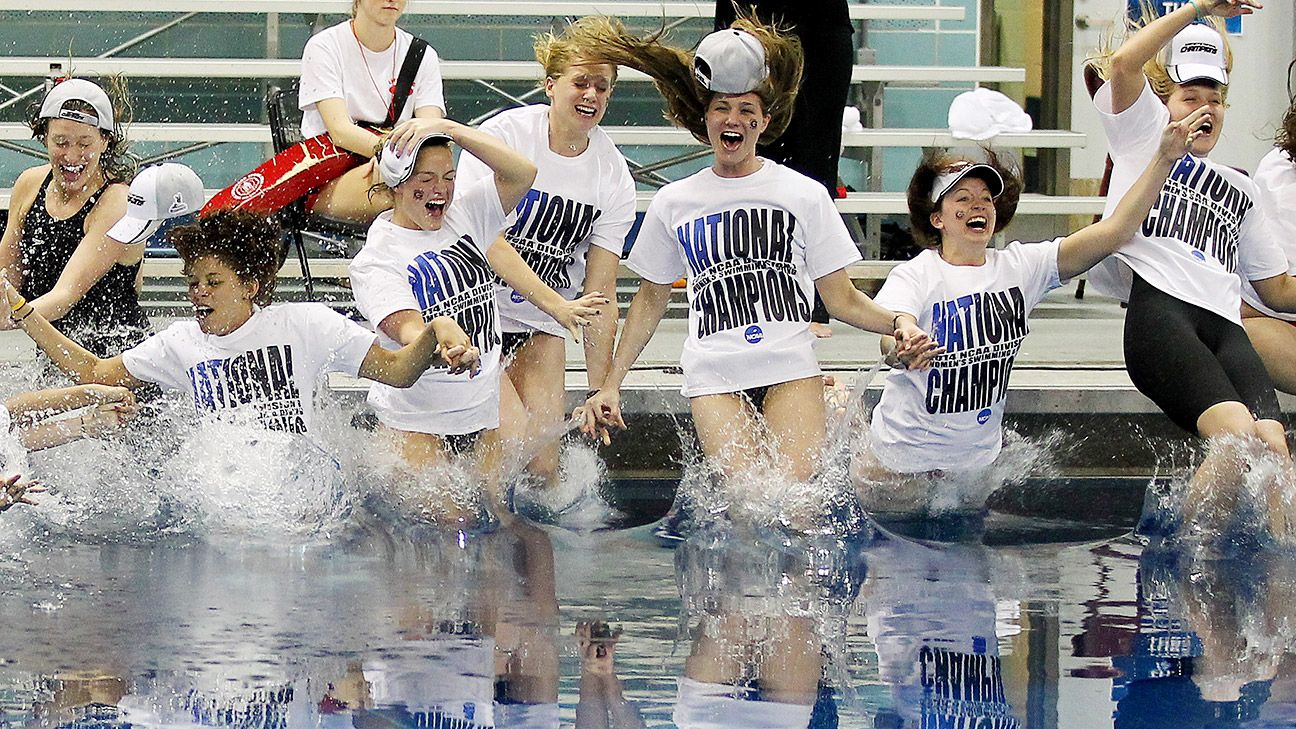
(1275, 341)
(348, 197)
(729, 431)
(538, 374)
(1215, 490)
(425, 454)
(797, 422)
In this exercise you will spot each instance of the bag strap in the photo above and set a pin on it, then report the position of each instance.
(405, 81)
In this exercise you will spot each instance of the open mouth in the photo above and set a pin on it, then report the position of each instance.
(435, 207)
(1206, 128)
(978, 223)
(201, 312)
(731, 140)
(72, 172)
(586, 111)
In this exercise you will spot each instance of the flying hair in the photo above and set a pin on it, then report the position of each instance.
(936, 161)
(1155, 69)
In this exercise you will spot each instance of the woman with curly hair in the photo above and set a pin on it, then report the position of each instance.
(241, 357)
(1273, 333)
(1185, 347)
(755, 240)
(976, 300)
(56, 245)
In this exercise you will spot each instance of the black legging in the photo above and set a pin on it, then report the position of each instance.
(812, 143)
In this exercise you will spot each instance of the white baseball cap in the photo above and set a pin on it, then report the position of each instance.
(78, 89)
(730, 62)
(395, 167)
(157, 194)
(952, 174)
(1197, 52)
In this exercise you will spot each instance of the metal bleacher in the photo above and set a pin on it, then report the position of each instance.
(486, 73)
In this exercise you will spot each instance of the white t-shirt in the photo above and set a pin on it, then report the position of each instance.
(336, 66)
(575, 202)
(1276, 180)
(437, 273)
(1204, 228)
(266, 370)
(751, 248)
(950, 416)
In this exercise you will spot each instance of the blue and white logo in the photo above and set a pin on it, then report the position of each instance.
(1198, 255)
(516, 298)
(753, 334)
(983, 416)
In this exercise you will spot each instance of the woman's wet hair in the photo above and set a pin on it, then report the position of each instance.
(1285, 139)
(671, 69)
(250, 244)
(116, 162)
(1155, 69)
(557, 53)
(937, 161)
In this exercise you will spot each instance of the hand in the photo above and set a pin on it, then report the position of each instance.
(599, 413)
(455, 347)
(402, 138)
(11, 297)
(574, 315)
(107, 418)
(914, 348)
(1229, 8)
(1177, 137)
(14, 490)
(597, 643)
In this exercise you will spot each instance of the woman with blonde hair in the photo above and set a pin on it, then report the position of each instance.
(56, 245)
(1185, 347)
(755, 240)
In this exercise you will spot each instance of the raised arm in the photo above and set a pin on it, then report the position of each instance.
(70, 357)
(573, 315)
(514, 173)
(1083, 249)
(1125, 72)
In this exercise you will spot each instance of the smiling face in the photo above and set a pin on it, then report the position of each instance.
(222, 301)
(423, 199)
(734, 124)
(579, 96)
(1187, 98)
(966, 213)
(74, 151)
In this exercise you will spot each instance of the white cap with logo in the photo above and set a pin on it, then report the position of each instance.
(730, 62)
(946, 180)
(157, 194)
(395, 167)
(1197, 52)
(77, 89)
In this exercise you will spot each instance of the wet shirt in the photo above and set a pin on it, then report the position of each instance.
(1204, 230)
(437, 273)
(108, 318)
(266, 370)
(574, 203)
(950, 416)
(336, 66)
(1275, 179)
(751, 249)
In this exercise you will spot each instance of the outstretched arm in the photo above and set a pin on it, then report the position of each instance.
(441, 340)
(1083, 249)
(70, 357)
(573, 315)
(646, 312)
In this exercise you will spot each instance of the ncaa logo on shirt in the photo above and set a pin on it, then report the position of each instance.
(1199, 255)
(983, 416)
(516, 298)
(753, 335)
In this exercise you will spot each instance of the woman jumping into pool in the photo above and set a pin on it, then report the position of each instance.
(1185, 347)
(754, 240)
(437, 254)
(240, 357)
(976, 301)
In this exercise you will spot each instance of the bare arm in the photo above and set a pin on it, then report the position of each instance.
(62, 399)
(21, 200)
(600, 336)
(343, 130)
(441, 340)
(573, 315)
(70, 357)
(850, 305)
(1126, 70)
(1277, 292)
(514, 173)
(94, 256)
(1083, 249)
